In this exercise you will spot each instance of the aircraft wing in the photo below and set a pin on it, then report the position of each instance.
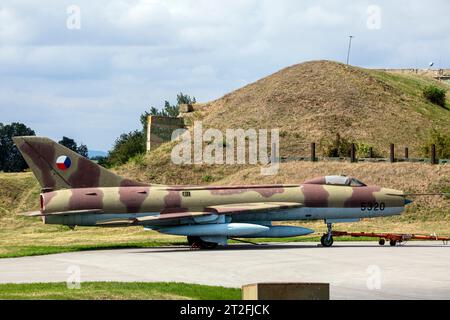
(254, 207)
(229, 209)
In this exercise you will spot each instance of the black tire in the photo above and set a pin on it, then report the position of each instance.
(193, 240)
(208, 245)
(381, 242)
(197, 241)
(325, 241)
(392, 243)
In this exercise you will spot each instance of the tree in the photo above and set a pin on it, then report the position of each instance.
(126, 146)
(10, 158)
(168, 110)
(185, 99)
(82, 149)
(69, 143)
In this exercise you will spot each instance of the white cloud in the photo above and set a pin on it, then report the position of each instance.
(12, 27)
(94, 82)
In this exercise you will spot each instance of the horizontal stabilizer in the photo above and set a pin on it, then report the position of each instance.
(61, 213)
(31, 214)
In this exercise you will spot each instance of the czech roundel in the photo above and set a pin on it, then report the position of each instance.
(63, 162)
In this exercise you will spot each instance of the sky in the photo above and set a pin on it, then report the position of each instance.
(88, 69)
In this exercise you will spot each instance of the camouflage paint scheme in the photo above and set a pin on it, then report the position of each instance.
(89, 195)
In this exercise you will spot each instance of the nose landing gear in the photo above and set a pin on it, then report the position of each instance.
(327, 238)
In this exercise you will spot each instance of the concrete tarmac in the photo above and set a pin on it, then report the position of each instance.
(355, 270)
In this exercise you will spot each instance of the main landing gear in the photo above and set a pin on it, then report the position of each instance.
(327, 238)
(198, 243)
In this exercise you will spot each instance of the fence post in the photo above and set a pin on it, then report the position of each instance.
(406, 153)
(370, 152)
(313, 151)
(392, 153)
(433, 154)
(353, 153)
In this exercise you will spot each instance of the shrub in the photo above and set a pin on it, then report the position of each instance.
(342, 147)
(127, 146)
(435, 95)
(139, 160)
(442, 143)
(337, 147)
(363, 151)
(207, 178)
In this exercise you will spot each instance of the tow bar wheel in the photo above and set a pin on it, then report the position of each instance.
(381, 242)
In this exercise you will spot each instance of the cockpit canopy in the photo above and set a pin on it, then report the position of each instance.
(337, 181)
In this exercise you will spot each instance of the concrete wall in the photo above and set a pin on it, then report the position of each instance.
(159, 130)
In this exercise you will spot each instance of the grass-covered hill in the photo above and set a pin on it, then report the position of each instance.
(318, 99)
(312, 102)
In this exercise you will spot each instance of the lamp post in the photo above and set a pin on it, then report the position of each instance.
(349, 47)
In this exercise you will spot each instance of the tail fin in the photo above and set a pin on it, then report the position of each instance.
(57, 167)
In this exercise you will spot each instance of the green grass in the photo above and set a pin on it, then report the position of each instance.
(31, 250)
(117, 291)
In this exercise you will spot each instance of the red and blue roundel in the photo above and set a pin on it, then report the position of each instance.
(63, 162)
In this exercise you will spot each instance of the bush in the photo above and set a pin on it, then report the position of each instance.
(139, 160)
(442, 143)
(435, 95)
(127, 146)
(363, 151)
(207, 178)
(338, 147)
(342, 147)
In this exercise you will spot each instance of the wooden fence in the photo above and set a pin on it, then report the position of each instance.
(392, 157)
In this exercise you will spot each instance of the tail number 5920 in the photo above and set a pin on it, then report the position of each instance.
(372, 206)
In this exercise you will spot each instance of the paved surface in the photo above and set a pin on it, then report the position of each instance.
(417, 270)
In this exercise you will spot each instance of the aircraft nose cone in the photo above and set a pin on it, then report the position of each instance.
(408, 201)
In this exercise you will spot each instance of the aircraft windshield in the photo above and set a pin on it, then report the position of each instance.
(337, 180)
(343, 181)
(356, 183)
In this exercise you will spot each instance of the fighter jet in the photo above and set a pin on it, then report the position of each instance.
(79, 192)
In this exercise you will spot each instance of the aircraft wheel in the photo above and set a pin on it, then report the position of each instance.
(199, 243)
(381, 242)
(325, 241)
(193, 240)
(209, 245)
(393, 243)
